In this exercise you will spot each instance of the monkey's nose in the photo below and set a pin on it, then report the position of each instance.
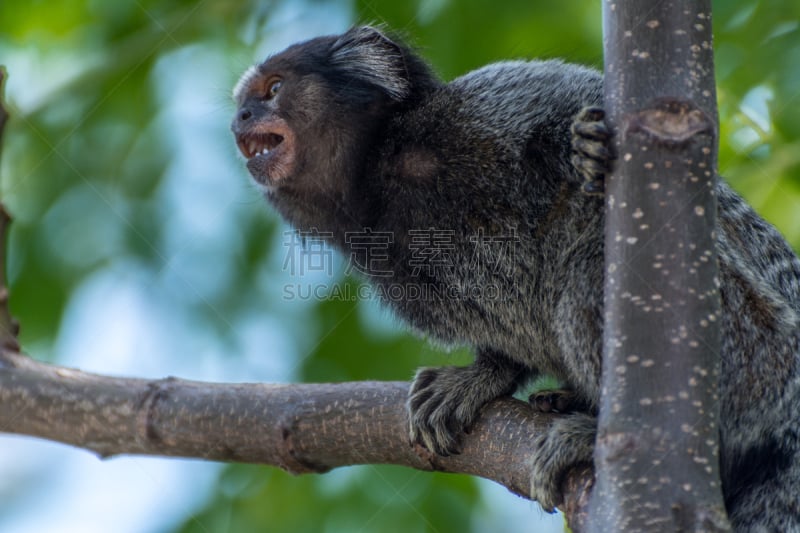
(239, 123)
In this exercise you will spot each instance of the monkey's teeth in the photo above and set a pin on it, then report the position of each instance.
(259, 146)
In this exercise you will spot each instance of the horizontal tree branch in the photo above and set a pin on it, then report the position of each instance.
(300, 428)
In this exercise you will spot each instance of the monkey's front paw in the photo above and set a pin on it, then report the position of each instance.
(443, 404)
(591, 151)
(568, 443)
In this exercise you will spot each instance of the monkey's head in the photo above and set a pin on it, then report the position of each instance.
(308, 117)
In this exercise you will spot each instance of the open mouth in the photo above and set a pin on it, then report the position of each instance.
(269, 147)
(254, 144)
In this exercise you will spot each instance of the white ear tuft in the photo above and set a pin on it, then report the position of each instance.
(368, 55)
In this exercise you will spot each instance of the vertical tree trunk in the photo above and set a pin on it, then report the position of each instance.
(658, 440)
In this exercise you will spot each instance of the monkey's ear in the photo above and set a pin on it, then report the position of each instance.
(366, 54)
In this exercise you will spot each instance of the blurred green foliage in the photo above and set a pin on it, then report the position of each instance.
(89, 148)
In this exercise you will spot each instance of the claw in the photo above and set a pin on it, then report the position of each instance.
(597, 187)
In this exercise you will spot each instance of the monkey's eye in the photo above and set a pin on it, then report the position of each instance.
(273, 89)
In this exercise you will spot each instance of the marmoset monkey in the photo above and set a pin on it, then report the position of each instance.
(353, 133)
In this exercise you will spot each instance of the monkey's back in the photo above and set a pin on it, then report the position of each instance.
(480, 165)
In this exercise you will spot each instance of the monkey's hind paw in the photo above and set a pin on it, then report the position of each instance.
(568, 443)
(591, 150)
(558, 401)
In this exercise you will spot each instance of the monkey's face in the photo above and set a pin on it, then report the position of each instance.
(309, 117)
(264, 137)
(294, 123)
(305, 106)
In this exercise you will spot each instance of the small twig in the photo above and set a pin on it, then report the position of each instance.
(8, 326)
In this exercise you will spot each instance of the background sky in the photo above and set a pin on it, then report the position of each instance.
(140, 247)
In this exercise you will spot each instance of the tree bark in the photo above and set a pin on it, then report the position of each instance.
(658, 443)
(300, 428)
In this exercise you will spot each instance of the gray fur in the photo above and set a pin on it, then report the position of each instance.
(490, 153)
